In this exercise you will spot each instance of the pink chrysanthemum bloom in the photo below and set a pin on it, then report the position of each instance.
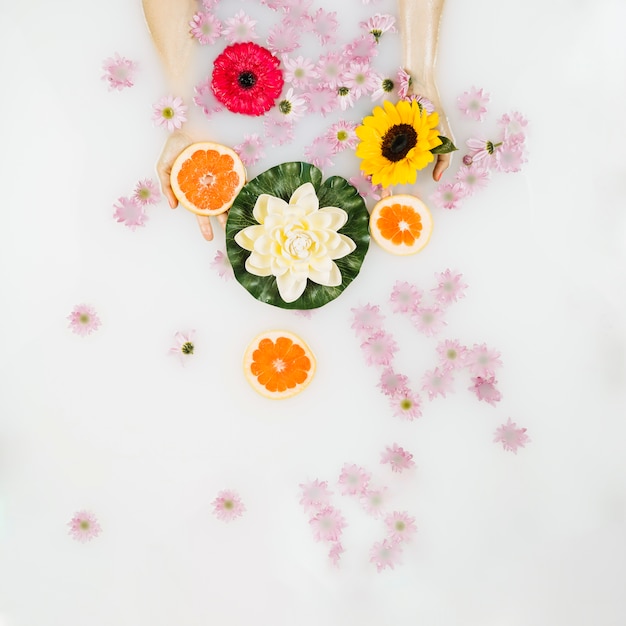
(119, 72)
(147, 192)
(239, 28)
(306, 313)
(360, 79)
(205, 27)
(83, 320)
(450, 287)
(283, 39)
(472, 104)
(485, 389)
(299, 71)
(345, 97)
(391, 382)
(320, 152)
(169, 111)
(448, 195)
(472, 177)
(335, 552)
(379, 24)
(130, 212)
(324, 25)
(482, 150)
(405, 81)
(228, 506)
(404, 298)
(400, 526)
(509, 157)
(367, 319)
(250, 150)
(428, 320)
(321, 100)
(373, 501)
(353, 480)
(330, 68)
(364, 186)
(406, 405)
(342, 136)
(423, 102)
(84, 526)
(222, 266)
(183, 345)
(278, 129)
(327, 524)
(315, 495)
(511, 437)
(292, 106)
(385, 87)
(483, 361)
(451, 354)
(247, 78)
(297, 14)
(379, 348)
(361, 49)
(385, 553)
(514, 126)
(205, 99)
(437, 382)
(209, 4)
(398, 458)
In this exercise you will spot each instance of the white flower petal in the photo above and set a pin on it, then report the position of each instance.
(339, 216)
(290, 286)
(328, 278)
(246, 237)
(259, 265)
(339, 246)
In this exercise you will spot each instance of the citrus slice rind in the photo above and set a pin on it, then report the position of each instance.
(206, 178)
(278, 364)
(401, 224)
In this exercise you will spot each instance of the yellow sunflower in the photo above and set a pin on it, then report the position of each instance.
(396, 142)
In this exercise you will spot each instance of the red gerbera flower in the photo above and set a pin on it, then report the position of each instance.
(246, 78)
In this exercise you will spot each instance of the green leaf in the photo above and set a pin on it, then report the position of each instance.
(445, 146)
(282, 181)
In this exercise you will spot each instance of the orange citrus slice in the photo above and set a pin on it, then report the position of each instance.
(401, 224)
(206, 178)
(278, 364)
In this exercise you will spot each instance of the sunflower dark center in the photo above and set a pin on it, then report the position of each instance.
(246, 80)
(397, 142)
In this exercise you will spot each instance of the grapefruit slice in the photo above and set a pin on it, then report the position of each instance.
(401, 224)
(278, 364)
(206, 178)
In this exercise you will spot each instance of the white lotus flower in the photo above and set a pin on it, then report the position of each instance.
(296, 241)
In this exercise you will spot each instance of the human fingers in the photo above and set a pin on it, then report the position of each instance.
(222, 218)
(204, 222)
(442, 164)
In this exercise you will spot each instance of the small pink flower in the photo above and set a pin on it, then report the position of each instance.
(400, 526)
(330, 68)
(361, 49)
(335, 552)
(278, 129)
(346, 97)
(405, 297)
(450, 287)
(250, 150)
(379, 348)
(367, 319)
(283, 39)
(481, 150)
(119, 72)
(84, 526)
(406, 404)
(397, 457)
(306, 313)
(448, 195)
(147, 192)
(483, 361)
(342, 136)
(509, 157)
(324, 25)
(298, 71)
(423, 102)
(385, 553)
(451, 354)
(297, 13)
(321, 99)
(405, 82)
(221, 264)
(391, 383)
(130, 212)
(319, 153)
(315, 495)
(83, 320)
(385, 87)
(437, 382)
(327, 524)
(169, 111)
(205, 98)
(228, 506)
(292, 105)
(360, 79)
(511, 437)
(353, 479)
(472, 104)
(205, 27)
(428, 320)
(239, 28)
(379, 24)
(364, 186)
(373, 501)
(472, 177)
(183, 345)
(514, 126)
(485, 389)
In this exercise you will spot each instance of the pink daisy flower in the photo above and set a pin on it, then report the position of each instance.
(209, 4)
(451, 354)
(222, 266)
(450, 287)
(324, 25)
(292, 106)
(283, 39)
(483, 361)
(335, 552)
(359, 78)
(327, 524)
(361, 49)
(437, 382)
(228, 506)
(472, 177)
(345, 97)
(398, 458)
(373, 501)
(307, 313)
(205, 98)
(364, 186)
(205, 27)
(481, 150)
(379, 24)
(485, 389)
(367, 319)
(299, 71)
(239, 28)
(391, 382)
(329, 69)
(342, 136)
(385, 554)
(83, 320)
(428, 320)
(448, 195)
(297, 13)
(400, 526)
(404, 298)
(315, 495)
(513, 126)
(472, 104)
(405, 81)
(423, 103)
(384, 88)
(511, 437)
(509, 157)
(321, 100)
(130, 212)
(319, 153)
(406, 405)
(250, 150)
(119, 72)
(84, 526)
(278, 129)
(146, 192)
(183, 345)
(353, 479)
(379, 348)
(169, 111)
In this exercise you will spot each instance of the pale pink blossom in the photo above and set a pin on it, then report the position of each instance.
(320, 152)
(483, 361)
(239, 28)
(209, 4)
(84, 526)
(306, 313)
(299, 71)
(373, 501)
(385, 554)
(511, 437)
(379, 348)
(360, 79)
(205, 27)
(406, 404)
(452, 354)
(361, 49)
(448, 195)
(405, 82)
(482, 150)
(292, 105)
(297, 14)
(345, 97)
(400, 526)
(321, 100)
(405, 297)
(509, 157)
(278, 129)
(472, 104)
(169, 111)
(327, 524)
(379, 24)
(315, 494)
(119, 72)
(130, 212)
(450, 287)
(335, 552)
(472, 177)
(423, 102)
(364, 186)
(485, 389)
(342, 136)
(205, 98)
(330, 69)
(83, 320)
(228, 506)
(283, 39)
(183, 345)
(391, 382)
(147, 192)
(367, 319)
(428, 320)
(222, 266)
(324, 25)
(353, 479)
(437, 382)
(398, 458)
(385, 88)
(513, 126)
(250, 150)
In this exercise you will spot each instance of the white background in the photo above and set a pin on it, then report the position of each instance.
(113, 424)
